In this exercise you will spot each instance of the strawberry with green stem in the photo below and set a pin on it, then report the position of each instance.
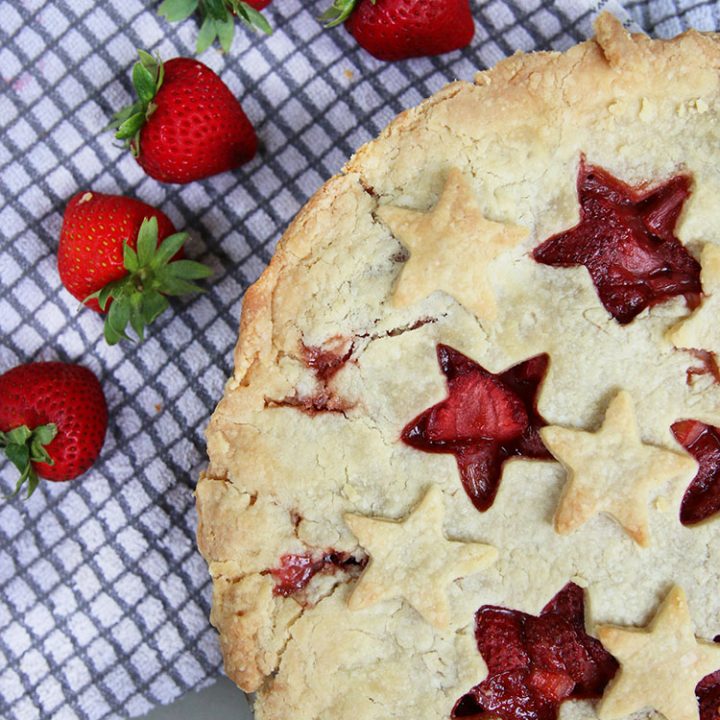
(53, 419)
(186, 124)
(218, 18)
(400, 29)
(123, 257)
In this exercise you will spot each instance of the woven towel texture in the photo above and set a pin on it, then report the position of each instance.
(103, 597)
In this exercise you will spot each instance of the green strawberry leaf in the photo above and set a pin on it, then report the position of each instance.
(139, 297)
(188, 270)
(147, 241)
(18, 455)
(130, 127)
(174, 10)
(251, 17)
(105, 293)
(111, 337)
(338, 12)
(130, 258)
(122, 115)
(144, 83)
(18, 436)
(136, 315)
(154, 305)
(44, 434)
(147, 77)
(118, 317)
(23, 447)
(170, 285)
(217, 19)
(206, 36)
(216, 9)
(168, 249)
(225, 33)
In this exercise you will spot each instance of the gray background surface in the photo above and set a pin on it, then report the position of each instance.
(221, 701)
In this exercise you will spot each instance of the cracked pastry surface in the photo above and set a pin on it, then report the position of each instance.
(331, 366)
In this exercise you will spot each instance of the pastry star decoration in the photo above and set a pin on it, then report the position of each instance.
(701, 330)
(612, 471)
(451, 248)
(414, 560)
(660, 667)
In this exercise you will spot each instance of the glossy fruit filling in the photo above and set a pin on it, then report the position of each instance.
(702, 498)
(485, 420)
(625, 238)
(327, 361)
(296, 571)
(708, 694)
(536, 663)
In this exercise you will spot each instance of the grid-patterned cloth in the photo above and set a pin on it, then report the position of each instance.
(103, 597)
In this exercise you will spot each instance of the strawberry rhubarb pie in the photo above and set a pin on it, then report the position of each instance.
(468, 464)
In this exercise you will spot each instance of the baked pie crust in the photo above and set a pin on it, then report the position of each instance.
(564, 205)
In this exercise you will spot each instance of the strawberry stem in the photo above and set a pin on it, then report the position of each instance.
(139, 297)
(23, 447)
(148, 75)
(218, 19)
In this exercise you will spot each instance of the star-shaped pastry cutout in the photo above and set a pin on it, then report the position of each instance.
(702, 498)
(612, 471)
(625, 239)
(414, 560)
(536, 663)
(701, 330)
(451, 248)
(660, 666)
(485, 420)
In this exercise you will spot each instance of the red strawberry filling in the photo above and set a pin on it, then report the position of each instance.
(708, 694)
(326, 361)
(708, 365)
(625, 238)
(485, 420)
(702, 498)
(536, 663)
(296, 571)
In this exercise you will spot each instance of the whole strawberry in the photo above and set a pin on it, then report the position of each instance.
(186, 125)
(400, 29)
(119, 255)
(53, 419)
(218, 18)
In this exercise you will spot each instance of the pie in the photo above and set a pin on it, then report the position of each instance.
(468, 463)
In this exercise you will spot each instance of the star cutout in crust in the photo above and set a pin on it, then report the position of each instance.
(451, 248)
(536, 663)
(485, 420)
(661, 666)
(625, 238)
(708, 695)
(612, 471)
(413, 559)
(702, 498)
(701, 330)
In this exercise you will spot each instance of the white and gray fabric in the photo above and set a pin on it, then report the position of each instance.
(104, 599)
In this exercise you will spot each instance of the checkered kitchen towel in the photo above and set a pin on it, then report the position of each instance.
(103, 597)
